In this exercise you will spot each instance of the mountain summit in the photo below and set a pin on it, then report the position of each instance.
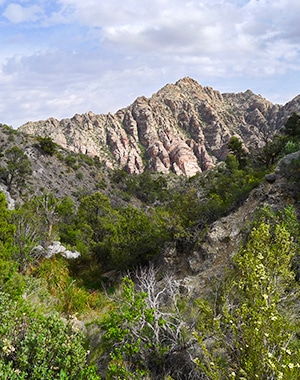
(184, 128)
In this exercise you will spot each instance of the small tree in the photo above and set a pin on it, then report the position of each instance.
(46, 206)
(18, 167)
(292, 126)
(27, 235)
(134, 239)
(272, 151)
(232, 163)
(235, 146)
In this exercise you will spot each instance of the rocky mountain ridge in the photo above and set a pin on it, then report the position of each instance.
(184, 128)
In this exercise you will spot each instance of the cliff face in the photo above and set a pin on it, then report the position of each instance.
(184, 128)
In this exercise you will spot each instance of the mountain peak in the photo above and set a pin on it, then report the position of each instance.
(184, 128)
(187, 81)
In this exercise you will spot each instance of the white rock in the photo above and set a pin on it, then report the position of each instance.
(56, 247)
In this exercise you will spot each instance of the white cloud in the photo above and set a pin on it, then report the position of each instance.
(73, 56)
(230, 29)
(15, 13)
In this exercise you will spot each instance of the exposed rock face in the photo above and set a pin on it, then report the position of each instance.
(198, 270)
(184, 128)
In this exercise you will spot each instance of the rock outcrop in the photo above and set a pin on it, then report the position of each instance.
(55, 248)
(198, 270)
(184, 128)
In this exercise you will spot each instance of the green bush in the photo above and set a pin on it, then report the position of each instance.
(147, 187)
(249, 333)
(47, 145)
(68, 295)
(119, 238)
(36, 347)
(87, 159)
(71, 161)
(235, 146)
(134, 238)
(79, 175)
(292, 126)
(203, 199)
(143, 338)
(291, 147)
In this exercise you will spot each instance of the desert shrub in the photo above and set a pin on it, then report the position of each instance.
(10, 280)
(249, 333)
(291, 147)
(33, 346)
(147, 187)
(143, 337)
(79, 175)
(132, 239)
(270, 153)
(235, 146)
(204, 199)
(120, 238)
(67, 293)
(71, 161)
(47, 145)
(87, 159)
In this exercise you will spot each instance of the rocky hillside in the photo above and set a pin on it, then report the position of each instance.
(184, 128)
(63, 173)
(225, 236)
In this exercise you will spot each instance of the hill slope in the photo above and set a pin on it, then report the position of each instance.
(184, 128)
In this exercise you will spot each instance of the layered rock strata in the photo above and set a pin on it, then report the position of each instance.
(184, 128)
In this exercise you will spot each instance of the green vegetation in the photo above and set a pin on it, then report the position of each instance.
(285, 142)
(10, 280)
(142, 323)
(47, 145)
(119, 238)
(71, 161)
(247, 328)
(17, 168)
(253, 330)
(144, 337)
(34, 346)
(292, 126)
(146, 187)
(235, 146)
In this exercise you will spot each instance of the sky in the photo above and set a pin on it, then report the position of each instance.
(62, 57)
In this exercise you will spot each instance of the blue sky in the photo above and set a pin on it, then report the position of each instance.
(62, 57)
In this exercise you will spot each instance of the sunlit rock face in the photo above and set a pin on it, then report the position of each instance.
(184, 128)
